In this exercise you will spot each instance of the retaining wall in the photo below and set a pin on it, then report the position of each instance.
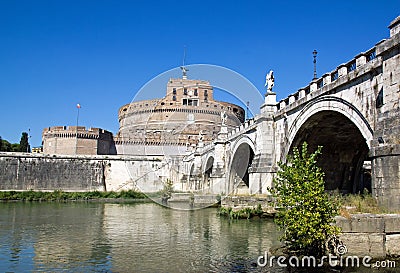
(26, 171)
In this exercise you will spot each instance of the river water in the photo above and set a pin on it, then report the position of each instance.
(106, 237)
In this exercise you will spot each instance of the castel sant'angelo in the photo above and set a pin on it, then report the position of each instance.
(187, 115)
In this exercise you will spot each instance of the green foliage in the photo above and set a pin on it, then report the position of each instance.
(168, 189)
(305, 211)
(245, 213)
(61, 195)
(15, 147)
(24, 143)
(5, 146)
(360, 203)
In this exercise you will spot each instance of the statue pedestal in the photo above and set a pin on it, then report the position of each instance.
(270, 98)
(223, 133)
(269, 106)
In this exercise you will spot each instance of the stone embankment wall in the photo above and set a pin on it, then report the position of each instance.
(376, 235)
(23, 171)
(248, 201)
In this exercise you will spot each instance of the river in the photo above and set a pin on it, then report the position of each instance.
(145, 237)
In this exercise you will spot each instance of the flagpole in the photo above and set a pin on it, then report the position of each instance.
(78, 106)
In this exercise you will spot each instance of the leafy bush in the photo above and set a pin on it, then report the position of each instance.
(305, 211)
(245, 213)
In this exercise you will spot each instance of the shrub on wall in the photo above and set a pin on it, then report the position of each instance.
(305, 211)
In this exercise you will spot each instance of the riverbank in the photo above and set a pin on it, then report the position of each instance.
(185, 201)
(128, 195)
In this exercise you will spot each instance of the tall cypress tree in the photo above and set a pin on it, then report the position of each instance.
(1, 144)
(24, 143)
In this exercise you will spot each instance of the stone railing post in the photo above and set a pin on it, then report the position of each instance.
(327, 78)
(361, 59)
(342, 69)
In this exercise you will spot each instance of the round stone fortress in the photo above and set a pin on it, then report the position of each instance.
(188, 113)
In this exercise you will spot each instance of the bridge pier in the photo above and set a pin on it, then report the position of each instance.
(263, 166)
(385, 150)
(386, 176)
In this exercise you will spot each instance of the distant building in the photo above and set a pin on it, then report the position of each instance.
(37, 150)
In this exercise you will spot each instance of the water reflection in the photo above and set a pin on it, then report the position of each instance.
(98, 237)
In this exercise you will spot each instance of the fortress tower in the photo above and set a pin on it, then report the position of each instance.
(71, 140)
(187, 114)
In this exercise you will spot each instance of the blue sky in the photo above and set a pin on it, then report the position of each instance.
(54, 54)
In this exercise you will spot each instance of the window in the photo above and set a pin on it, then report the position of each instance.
(174, 91)
(195, 92)
(185, 91)
(379, 99)
(174, 98)
(190, 102)
(205, 93)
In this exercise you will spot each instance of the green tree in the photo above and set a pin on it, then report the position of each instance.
(305, 211)
(1, 144)
(24, 143)
(6, 146)
(15, 147)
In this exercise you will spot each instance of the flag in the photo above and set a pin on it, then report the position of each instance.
(78, 106)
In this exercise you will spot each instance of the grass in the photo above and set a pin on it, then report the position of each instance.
(61, 195)
(360, 203)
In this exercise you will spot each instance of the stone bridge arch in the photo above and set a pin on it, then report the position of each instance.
(243, 151)
(346, 137)
(207, 169)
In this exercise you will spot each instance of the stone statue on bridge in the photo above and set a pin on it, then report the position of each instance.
(224, 116)
(269, 81)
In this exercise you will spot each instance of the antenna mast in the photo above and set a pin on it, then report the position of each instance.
(183, 68)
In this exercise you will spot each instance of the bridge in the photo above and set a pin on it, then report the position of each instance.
(353, 112)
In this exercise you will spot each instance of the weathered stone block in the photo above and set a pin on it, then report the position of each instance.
(357, 244)
(343, 223)
(392, 223)
(377, 245)
(367, 223)
(393, 245)
(364, 244)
